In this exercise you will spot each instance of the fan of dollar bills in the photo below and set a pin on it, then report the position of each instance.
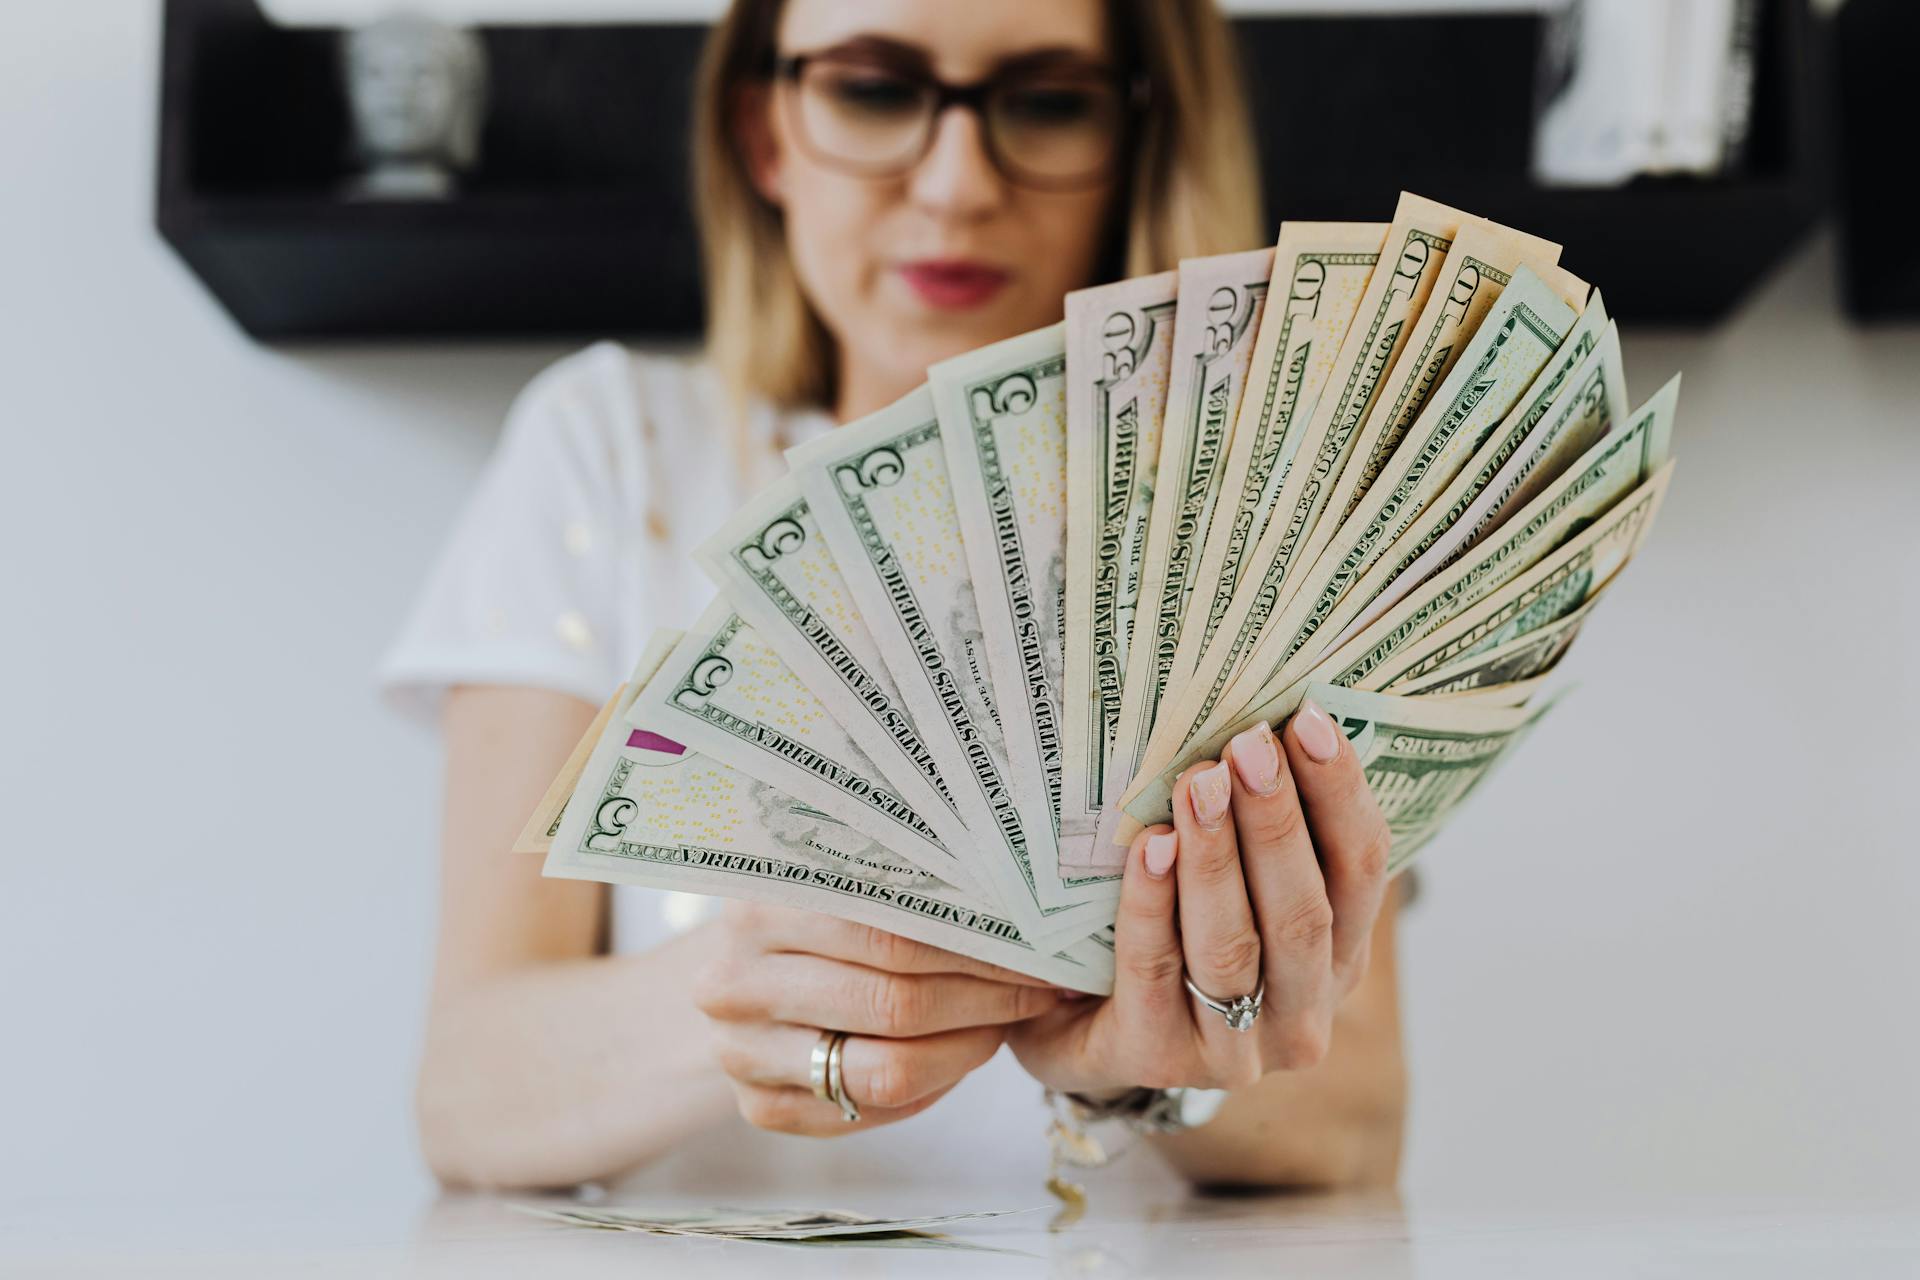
(961, 651)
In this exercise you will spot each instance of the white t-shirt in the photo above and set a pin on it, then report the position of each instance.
(576, 544)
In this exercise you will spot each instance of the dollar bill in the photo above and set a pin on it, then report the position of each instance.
(1119, 351)
(649, 811)
(1473, 393)
(1552, 591)
(724, 693)
(880, 492)
(1411, 258)
(962, 652)
(1320, 271)
(1603, 503)
(1529, 655)
(1002, 413)
(1423, 757)
(1537, 441)
(537, 835)
(1221, 300)
(1525, 326)
(780, 1225)
(1590, 504)
(1512, 693)
(774, 567)
(1480, 265)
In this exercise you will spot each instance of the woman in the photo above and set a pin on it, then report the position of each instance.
(882, 185)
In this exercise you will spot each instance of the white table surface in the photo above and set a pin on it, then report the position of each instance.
(1144, 1228)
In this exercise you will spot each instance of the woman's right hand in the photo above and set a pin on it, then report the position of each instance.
(919, 1018)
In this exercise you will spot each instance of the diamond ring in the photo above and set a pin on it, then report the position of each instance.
(1240, 1011)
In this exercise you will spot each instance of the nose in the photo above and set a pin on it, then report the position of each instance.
(956, 179)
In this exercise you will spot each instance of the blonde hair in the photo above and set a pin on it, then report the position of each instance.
(1195, 188)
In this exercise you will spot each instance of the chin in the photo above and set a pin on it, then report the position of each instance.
(928, 336)
(911, 349)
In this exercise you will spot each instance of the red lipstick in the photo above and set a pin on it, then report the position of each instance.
(953, 283)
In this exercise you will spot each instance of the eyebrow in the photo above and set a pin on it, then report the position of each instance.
(907, 56)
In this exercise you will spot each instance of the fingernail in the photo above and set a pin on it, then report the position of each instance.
(1257, 758)
(1316, 732)
(1068, 993)
(1210, 793)
(1159, 855)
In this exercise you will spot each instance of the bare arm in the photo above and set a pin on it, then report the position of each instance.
(546, 1062)
(1336, 1124)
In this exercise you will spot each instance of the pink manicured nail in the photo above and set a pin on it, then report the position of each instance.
(1316, 732)
(1159, 854)
(1210, 793)
(1257, 758)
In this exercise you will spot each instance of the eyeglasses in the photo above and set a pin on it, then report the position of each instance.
(1053, 127)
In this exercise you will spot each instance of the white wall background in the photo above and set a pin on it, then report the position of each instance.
(1671, 951)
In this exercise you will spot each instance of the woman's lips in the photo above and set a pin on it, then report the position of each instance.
(952, 283)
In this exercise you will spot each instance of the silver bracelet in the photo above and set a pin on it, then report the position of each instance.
(1147, 1110)
(1141, 1110)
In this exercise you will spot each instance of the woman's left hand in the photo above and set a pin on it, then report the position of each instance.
(1274, 868)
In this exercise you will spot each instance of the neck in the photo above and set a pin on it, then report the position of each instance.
(865, 389)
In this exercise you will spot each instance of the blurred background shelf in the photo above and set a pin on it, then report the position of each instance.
(1874, 43)
(577, 222)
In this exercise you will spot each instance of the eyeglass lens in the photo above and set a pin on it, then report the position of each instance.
(1044, 126)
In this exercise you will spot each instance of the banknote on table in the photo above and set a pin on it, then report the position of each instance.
(1221, 301)
(1525, 326)
(1543, 434)
(1119, 350)
(773, 1225)
(1423, 757)
(1002, 414)
(880, 491)
(537, 835)
(650, 811)
(773, 565)
(724, 693)
(1411, 257)
(1595, 503)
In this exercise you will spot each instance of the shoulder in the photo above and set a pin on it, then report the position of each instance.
(621, 398)
(608, 410)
